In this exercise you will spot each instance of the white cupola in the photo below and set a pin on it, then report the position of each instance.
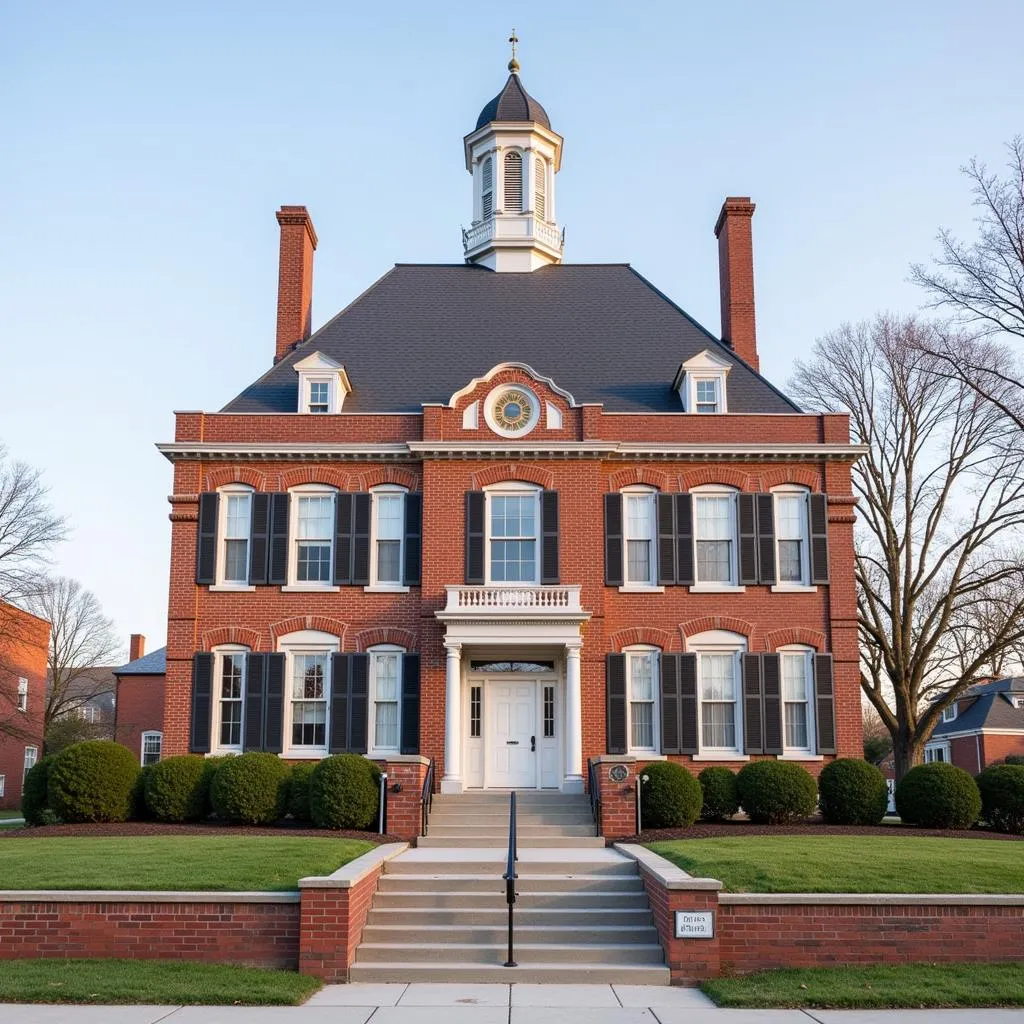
(513, 156)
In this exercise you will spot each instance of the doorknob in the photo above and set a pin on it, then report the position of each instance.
(533, 743)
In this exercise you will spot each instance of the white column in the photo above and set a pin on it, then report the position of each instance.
(573, 782)
(451, 781)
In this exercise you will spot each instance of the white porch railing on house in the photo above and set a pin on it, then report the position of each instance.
(554, 600)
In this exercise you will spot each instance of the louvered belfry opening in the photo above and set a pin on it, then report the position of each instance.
(513, 183)
(487, 188)
(539, 188)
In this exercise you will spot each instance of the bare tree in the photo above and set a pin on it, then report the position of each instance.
(877, 740)
(941, 499)
(82, 638)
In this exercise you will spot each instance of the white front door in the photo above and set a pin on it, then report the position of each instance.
(512, 734)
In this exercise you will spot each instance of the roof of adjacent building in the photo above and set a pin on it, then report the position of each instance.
(95, 684)
(987, 706)
(513, 103)
(152, 664)
(423, 331)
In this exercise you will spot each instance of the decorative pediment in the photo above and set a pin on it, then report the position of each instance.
(323, 384)
(501, 368)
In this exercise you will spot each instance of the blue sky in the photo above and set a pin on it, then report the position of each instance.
(147, 146)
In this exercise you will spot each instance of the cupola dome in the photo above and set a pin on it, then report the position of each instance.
(513, 103)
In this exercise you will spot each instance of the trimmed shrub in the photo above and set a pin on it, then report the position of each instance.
(210, 766)
(177, 789)
(93, 781)
(298, 790)
(1002, 797)
(140, 812)
(250, 789)
(721, 800)
(33, 793)
(938, 795)
(670, 798)
(344, 792)
(776, 792)
(852, 792)
(1013, 759)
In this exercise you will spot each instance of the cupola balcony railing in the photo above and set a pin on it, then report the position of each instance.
(512, 228)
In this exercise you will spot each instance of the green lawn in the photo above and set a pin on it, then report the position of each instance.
(902, 985)
(851, 863)
(168, 982)
(9, 814)
(171, 862)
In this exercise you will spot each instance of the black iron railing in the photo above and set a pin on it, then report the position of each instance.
(382, 822)
(427, 797)
(594, 789)
(510, 877)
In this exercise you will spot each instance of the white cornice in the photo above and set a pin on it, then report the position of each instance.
(525, 367)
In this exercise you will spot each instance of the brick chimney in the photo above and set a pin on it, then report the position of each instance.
(736, 277)
(136, 646)
(295, 278)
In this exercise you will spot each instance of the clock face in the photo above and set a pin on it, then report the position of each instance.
(513, 410)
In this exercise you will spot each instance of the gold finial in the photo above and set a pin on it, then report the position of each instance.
(513, 64)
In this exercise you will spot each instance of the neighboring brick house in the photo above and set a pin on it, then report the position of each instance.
(982, 727)
(24, 645)
(139, 715)
(513, 515)
(96, 687)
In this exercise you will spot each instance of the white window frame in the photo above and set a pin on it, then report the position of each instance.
(89, 713)
(149, 734)
(804, 585)
(1018, 703)
(326, 382)
(809, 752)
(318, 368)
(720, 641)
(219, 654)
(717, 586)
(717, 381)
(513, 490)
(375, 652)
(651, 583)
(307, 641)
(392, 586)
(654, 751)
(22, 693)
(294, 497)
(704, 366)
(225, 492)
(949, 713)
(28, 763)
(931, 749)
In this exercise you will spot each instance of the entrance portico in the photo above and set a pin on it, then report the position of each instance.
(513, 707)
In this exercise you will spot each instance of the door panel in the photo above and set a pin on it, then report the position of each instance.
(513, 764)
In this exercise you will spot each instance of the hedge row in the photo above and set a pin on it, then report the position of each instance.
(101, 781)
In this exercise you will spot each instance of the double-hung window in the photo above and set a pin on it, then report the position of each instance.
(714, 537)
(513, 524)
(230, 690)
(388, 536)
(791, 540)
(22, 694)
(385, 691)
(152, 748)
(797, 709)
(236, 517)
(639, 545)
(309, 700)
(314, 537)
(717, 678)
(706, 394)
(642, 691)
(319, 396)
(31, 756)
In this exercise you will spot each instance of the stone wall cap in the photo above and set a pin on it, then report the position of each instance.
(141, 896)
(664, 871)
(356, 870)
(889, 899)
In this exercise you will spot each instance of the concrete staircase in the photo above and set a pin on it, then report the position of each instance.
(440, 914)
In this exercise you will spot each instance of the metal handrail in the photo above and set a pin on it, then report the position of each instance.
(510, 876)
(427, 797)
(594, 789)
(382, 804)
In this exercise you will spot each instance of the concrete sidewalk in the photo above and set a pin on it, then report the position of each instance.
(491, 1004)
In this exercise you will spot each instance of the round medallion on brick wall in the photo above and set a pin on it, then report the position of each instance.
(512, 410)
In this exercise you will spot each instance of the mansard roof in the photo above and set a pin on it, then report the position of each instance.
(600, 331)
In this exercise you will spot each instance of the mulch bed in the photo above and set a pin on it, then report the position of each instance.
(154, 828)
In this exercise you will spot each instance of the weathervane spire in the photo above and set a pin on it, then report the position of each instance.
(513, 64)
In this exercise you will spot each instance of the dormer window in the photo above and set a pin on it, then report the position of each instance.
(706, 393)
(319, 396)
(701, 383)
(949, 713)
(323, 384)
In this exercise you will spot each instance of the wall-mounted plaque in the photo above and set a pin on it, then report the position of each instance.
(695, 924)
(618, 773)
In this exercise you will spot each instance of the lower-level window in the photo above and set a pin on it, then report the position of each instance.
(641, 672)
(31, 756)
(385, 674)
(719, 717)
(309, 700)
(152, 747)
(3, 785)
(797, 707)
(935, 754)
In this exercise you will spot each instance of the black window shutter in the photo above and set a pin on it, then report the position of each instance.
(689, 726)
(202, 703)
(746, 514)
(410, 704)
(206, 539)
(670, 705)
(361, 539)
(338, 738)
(684, 540)
(343, 519)
(766, 538)
(818, 515)
(273, 704)
(772, 703)
(255, 702)
(753, 721)
(549, 537)
(358, 702)
(412, 571)
(615, 699)
(259, 539)
(824, 704)
(666, 539)
(613, 576)
(278, 568)
(475, 511)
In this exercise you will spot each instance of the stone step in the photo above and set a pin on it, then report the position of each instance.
(494, 954)
(401, 914)
(499, 840)
(486, 883)
(493, 867)
(523, 832)
(491, 819)
(534, 973)
(495, 934)
(560, 901)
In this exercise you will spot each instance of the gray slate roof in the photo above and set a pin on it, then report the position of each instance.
(987, 706)
(601, 331)
(513, 103)
(152, 664)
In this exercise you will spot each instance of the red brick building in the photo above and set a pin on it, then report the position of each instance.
(513, 515)
(984, 726)
(139, 707)
(24, 645)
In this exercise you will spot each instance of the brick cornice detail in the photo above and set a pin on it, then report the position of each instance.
(385, 635)
(802, 475)
(727, 475)
(250, 638)
(794, 635)
(727, 622)
(184, 508)
(314, 475)
(385, 475)
(662, 638)
(514, 471)
(319, 622)
(234, 475)
(640, 475)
